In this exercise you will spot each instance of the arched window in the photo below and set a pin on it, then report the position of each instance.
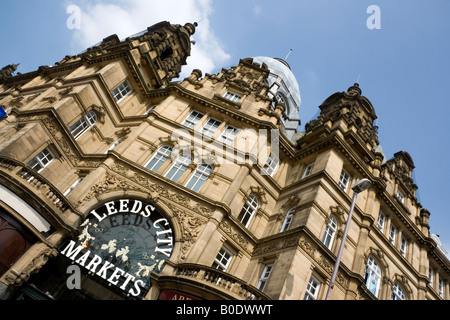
(373, 276)
(287, 220)
(82, 125)
(330, 232)
(249, 209)
(397, 292)
(199, 177)
(159, 158)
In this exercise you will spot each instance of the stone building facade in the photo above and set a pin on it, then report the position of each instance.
(118, 182)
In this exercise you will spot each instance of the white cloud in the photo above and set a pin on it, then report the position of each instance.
(127, 17)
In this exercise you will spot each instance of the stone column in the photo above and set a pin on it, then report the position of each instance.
(232, 191)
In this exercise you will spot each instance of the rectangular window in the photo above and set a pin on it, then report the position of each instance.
(222, 260)
(287, 220)
(178, 168)
(122, 91)
(159, 158)
(400, 197)
(308, 171)
(210, 127)
(42, 160)
(344, 180)
(392, 234)
(234, 97)
(192, 119)
(312, 290)
(199, 177)
(229, 135)
(441, 287)
(264, 277)
(271, 165)
(82, 125)
(381, 221)
(403, 246)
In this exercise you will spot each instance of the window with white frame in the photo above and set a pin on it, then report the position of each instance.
(392, 234)
(231, 96)
(222, 260)
(403, 246)
(381, 221)
(42, 160)
(312, 289)
(441, 287)
(431, 277)
(400, 196)
(330, 232)
(83, 124)
(287, 220)
(73, 186)
(308, 170)
(397, 292)
(373, 276)
(192, 119)
(264, 277)
(344, 180)
(199, 177)
(210, 127)
(159, 158)
(178, 168)
(122, 91)
(228, 135)
(248, 211)
(271, 165)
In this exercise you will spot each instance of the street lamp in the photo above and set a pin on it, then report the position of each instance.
(358, 187)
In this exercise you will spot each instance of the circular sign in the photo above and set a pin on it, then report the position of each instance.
(123, 242)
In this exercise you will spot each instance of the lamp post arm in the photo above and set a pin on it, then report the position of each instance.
(341, 248)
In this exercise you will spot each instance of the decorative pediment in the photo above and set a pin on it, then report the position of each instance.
(292, 202)
(260, 192)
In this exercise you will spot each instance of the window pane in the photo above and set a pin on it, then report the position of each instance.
(200, 176)
(312, 289)
(330, 231)
(287, 220)
(83, 124)
(121, 91)
(192, 119)
(159, 158)
(271, 165)
(248, 210)
(41, 161)
(229, 135)
(178, 168)
(210, 127)
(344, 180)
(373, 276)
(222, 260)
(232, 96)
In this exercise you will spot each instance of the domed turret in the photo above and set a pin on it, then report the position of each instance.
(284, 87)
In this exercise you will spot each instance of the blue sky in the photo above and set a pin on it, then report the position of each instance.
(403, 68)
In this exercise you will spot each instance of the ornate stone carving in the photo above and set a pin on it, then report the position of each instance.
(233, 234)
(108, 184)
(191, 226)
(160, 191)
(17, 278)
